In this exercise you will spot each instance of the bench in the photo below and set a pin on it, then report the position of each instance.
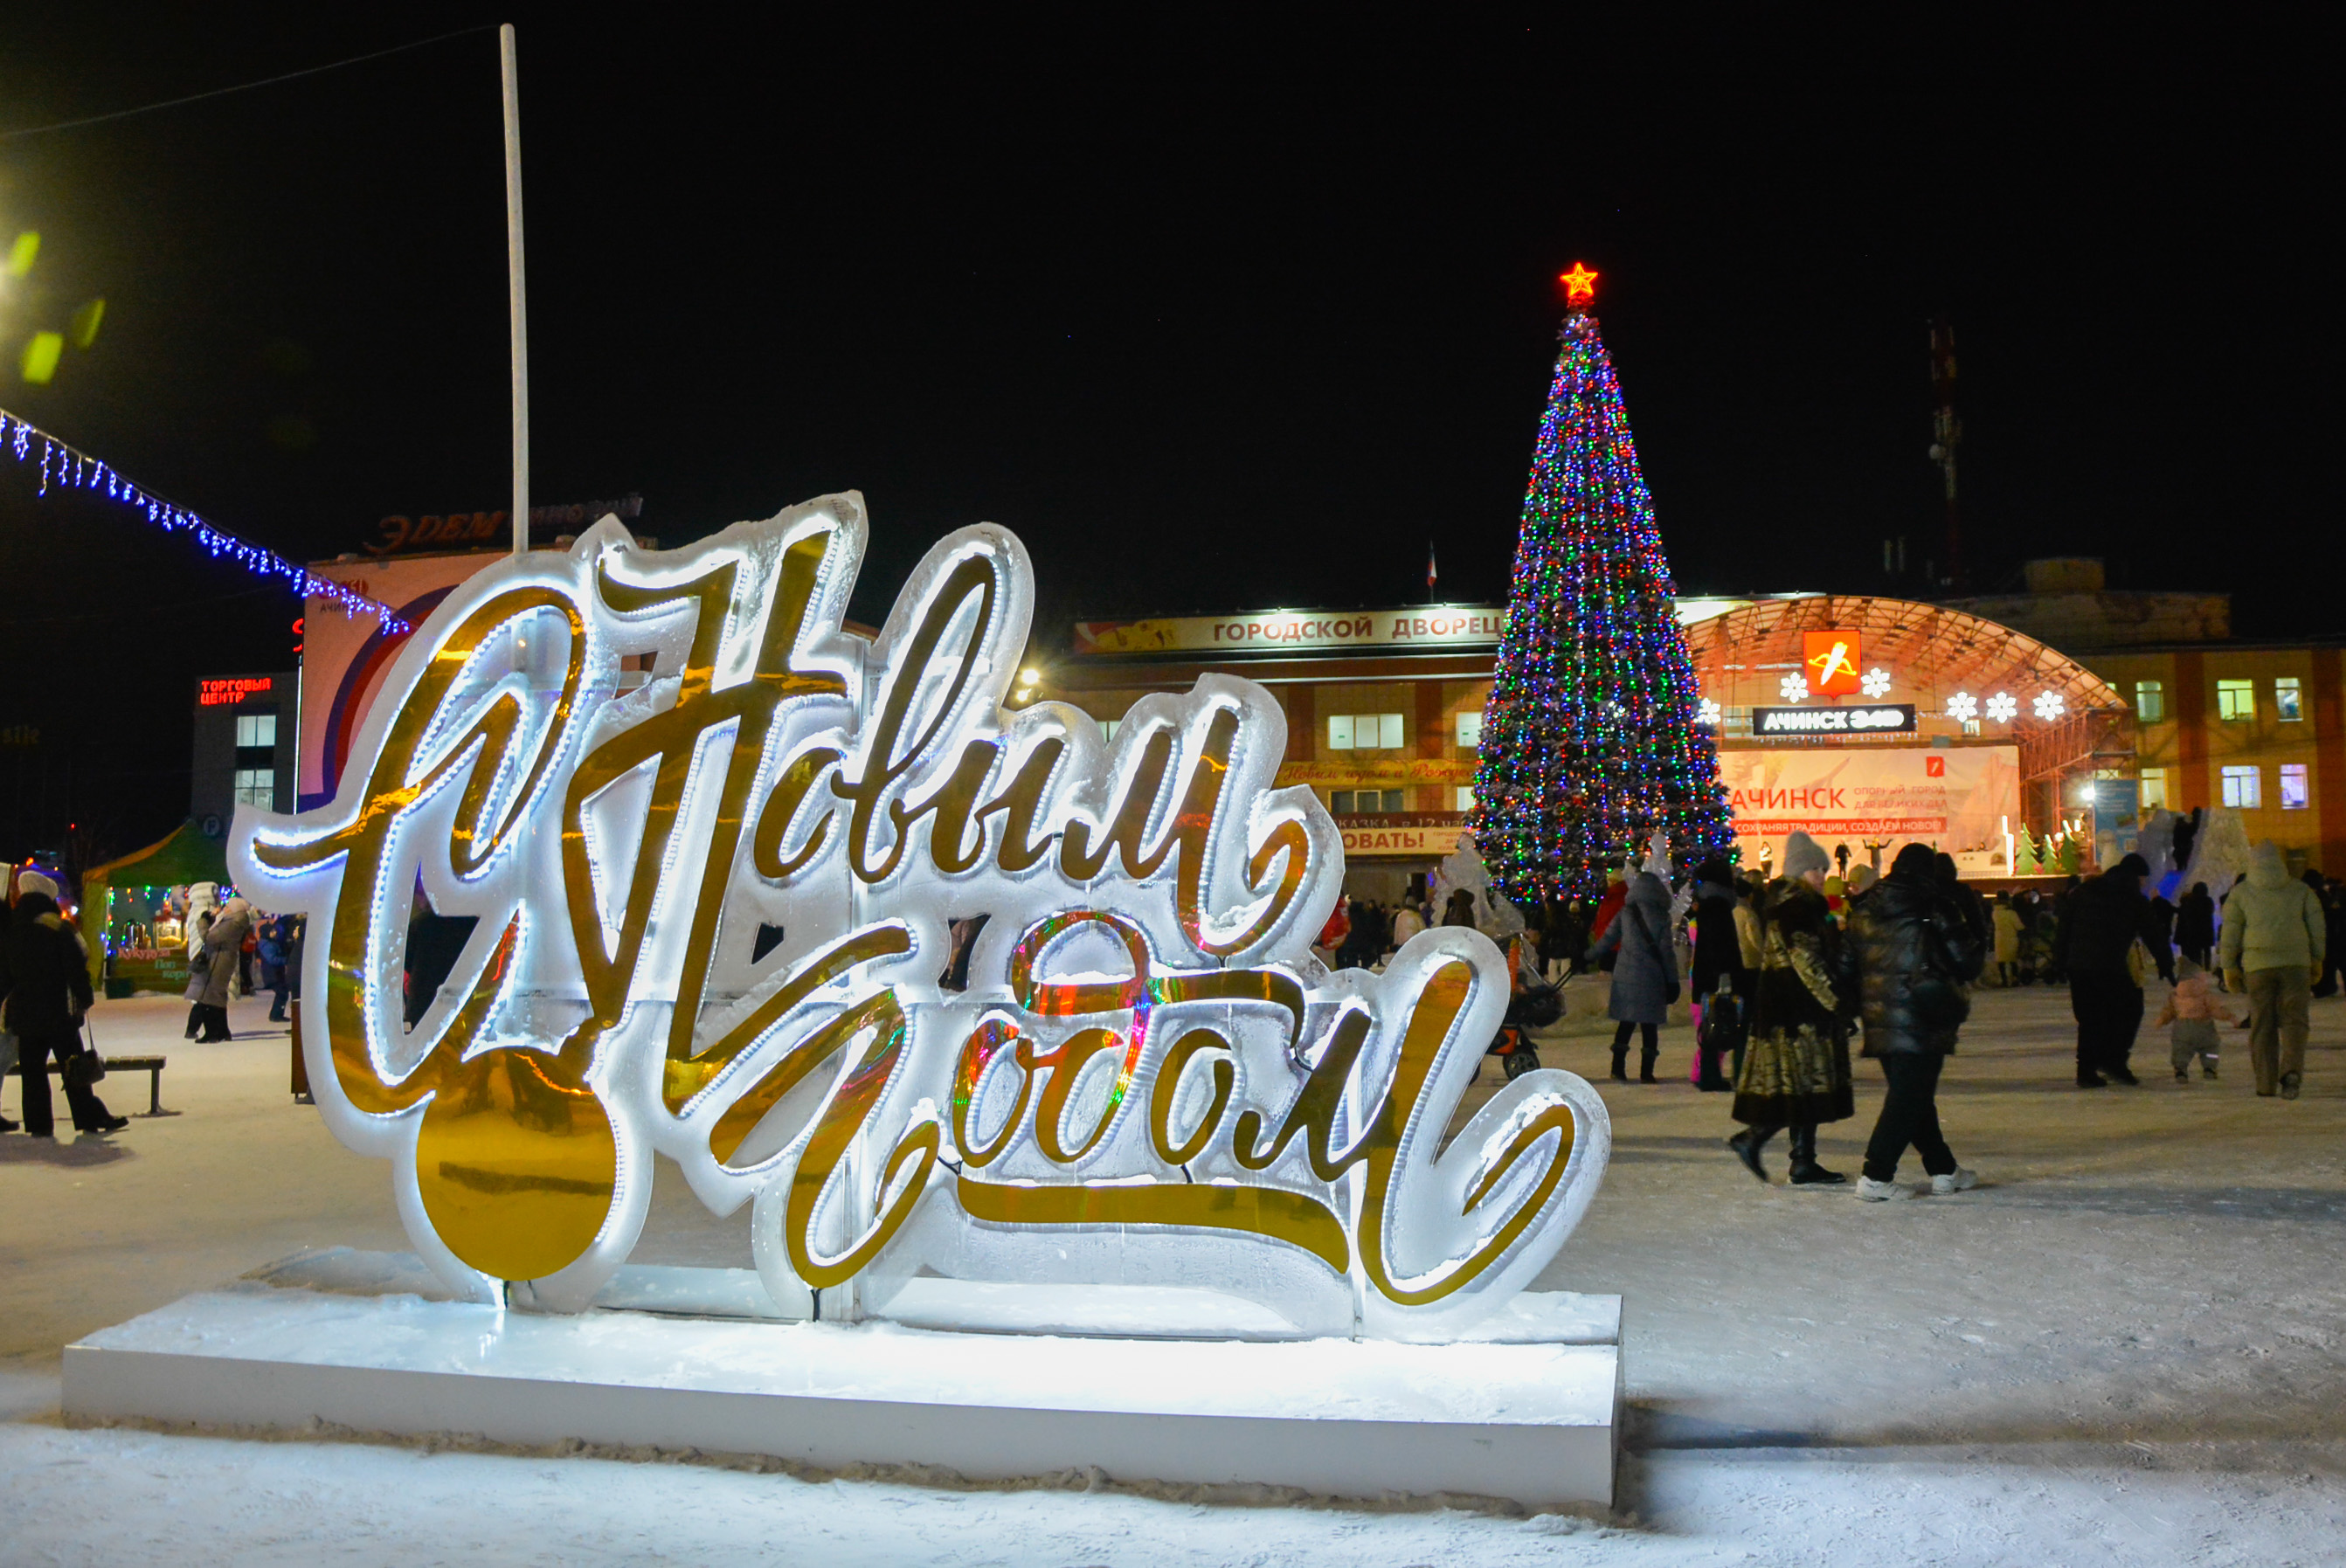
(152, 1065)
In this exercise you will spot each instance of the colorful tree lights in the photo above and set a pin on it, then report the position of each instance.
(1590, 740)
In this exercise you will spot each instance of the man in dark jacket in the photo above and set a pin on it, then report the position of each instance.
(48, 990)
(2195, 925)
(1717, 968)
(2099, 929)
(1918, 947)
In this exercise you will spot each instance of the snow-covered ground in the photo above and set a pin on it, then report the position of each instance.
(2125, 1348)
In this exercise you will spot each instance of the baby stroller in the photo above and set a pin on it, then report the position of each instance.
(1535, 1006)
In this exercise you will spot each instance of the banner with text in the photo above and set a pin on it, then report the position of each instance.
(1952, 798)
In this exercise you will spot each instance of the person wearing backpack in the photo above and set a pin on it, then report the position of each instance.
(48, 991)
(1645, 972)
(1917, 950)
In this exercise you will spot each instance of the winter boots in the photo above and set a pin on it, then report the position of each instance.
(1745, 1147)
(1646, 1063)
(1621, 1064)
(1805, 1171)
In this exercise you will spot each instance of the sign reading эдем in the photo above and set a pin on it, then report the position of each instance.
(457, 530)
(1855, 718)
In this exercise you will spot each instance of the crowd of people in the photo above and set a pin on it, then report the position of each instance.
(45, 977)
(1783, 973)
(1786, 974)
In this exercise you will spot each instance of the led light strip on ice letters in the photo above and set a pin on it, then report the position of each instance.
(714, 916)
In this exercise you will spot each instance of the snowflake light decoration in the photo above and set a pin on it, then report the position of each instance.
(1709, 713)
(2003, 706)
(1962, 706)
(1875, 684)
(1795, 687)
(2049, 705)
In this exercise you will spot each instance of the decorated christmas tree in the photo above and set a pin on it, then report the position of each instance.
(1591, 739)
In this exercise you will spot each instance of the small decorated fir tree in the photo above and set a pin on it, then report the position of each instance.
(1590, 740)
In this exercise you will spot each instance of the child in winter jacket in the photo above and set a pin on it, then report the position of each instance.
(2194, 1011)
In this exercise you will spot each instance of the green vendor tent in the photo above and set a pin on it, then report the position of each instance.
(187, 856)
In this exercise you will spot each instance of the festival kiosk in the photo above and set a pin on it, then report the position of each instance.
(122, 906)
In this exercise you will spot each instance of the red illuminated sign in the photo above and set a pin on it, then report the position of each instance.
(1830, 659)
(230, 689)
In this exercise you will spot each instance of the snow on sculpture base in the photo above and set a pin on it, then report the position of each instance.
(1529, 1411)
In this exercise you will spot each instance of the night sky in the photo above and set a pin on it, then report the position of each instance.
(1214, 315)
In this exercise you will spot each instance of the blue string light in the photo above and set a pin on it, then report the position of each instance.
(66, 467)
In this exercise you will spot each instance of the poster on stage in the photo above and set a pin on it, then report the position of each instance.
(1952, 798)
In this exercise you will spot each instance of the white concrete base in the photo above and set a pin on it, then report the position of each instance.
(1533, 1421)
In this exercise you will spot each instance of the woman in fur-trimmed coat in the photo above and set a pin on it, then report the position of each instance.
(1796, 1070)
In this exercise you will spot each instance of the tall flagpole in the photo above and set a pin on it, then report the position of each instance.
(514, 289)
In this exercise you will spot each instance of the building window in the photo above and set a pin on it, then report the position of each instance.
(2289, 701)
(256, 786)
(1368, 802)
(2236, 699)
(255, 729)
(2295, 796)
(1108, 727)
(1465, 797)
(1470, 729)
(2154, 789)
(1365, 732)
(2149, 700)
(2244, 786)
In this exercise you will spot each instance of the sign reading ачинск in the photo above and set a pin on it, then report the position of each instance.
(1850, 718)
(1145, 1079)
(1952, 798)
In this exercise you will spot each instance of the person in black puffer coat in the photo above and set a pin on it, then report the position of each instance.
(1918, 947)
(48, 991)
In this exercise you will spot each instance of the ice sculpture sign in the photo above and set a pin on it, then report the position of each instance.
(715, 845)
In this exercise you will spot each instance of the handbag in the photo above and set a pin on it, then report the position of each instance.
(85, 1067)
